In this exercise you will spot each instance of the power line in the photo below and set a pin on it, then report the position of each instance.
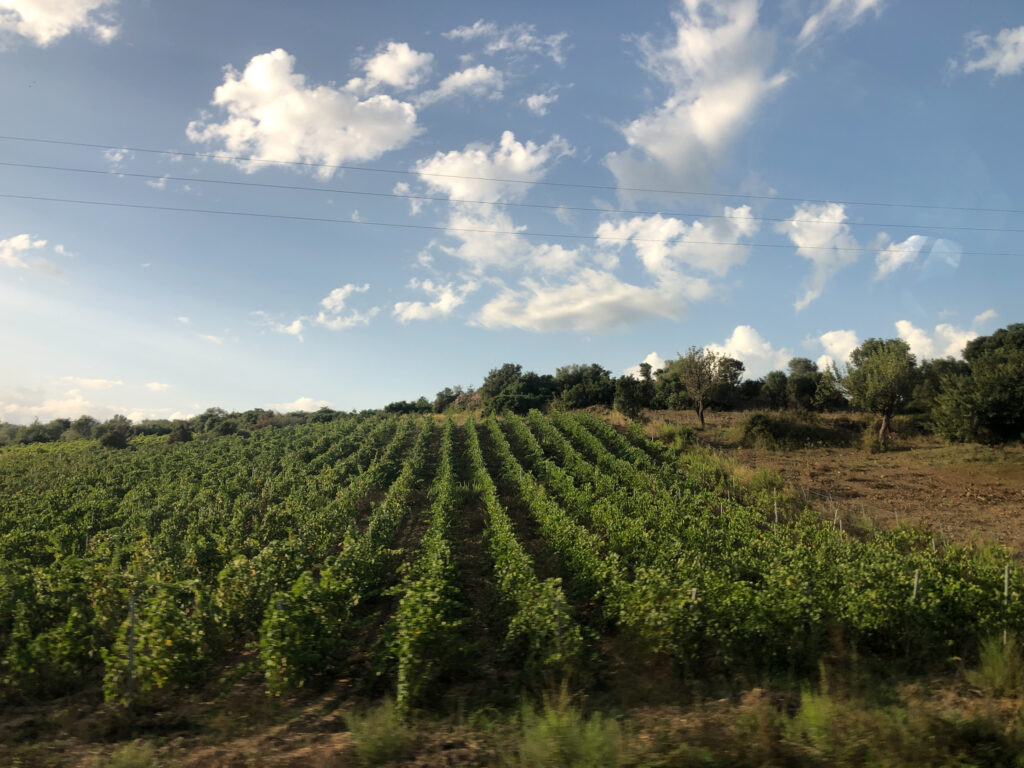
(606, 187)
(397, 225)
(447, 200)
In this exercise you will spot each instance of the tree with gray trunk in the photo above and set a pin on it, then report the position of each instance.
(700, 372)
(880, 379)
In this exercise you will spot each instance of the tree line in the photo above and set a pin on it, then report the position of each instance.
(979, 398)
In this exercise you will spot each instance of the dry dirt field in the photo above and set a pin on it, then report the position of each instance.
(963, 493)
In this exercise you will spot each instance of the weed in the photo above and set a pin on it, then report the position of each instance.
(561, 735)
(380, 734)
(1000, 669)
(134, 755)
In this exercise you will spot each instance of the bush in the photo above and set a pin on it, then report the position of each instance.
(561, 735)
(679, 437)
(1000, 669)
(785, 431)
(380, 734)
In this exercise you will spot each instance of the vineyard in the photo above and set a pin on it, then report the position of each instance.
(435, 561)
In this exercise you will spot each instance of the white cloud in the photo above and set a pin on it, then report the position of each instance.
(516, 39)
(335, 300)
(656, 361)
(511, 159)
(354, 318)
(821, 237)
(753, 350)
(1003, 54)
(895, 255)
(157, 386)
(184, 320)
(399, 66)
(985, 317)
(717, 74)
(273, 115)
(591, 301)
(835, 15)
(415, 205)
(335, 303)
(46, 21)
(160, 183)
(538, 102)
(946, 341)
(117, 156)
(299, 404)
(14, 249)
(92, 383)
(476, 81)
(447, 298)
(211, 338)
(486, 173)
(838, 346)
(664, 242)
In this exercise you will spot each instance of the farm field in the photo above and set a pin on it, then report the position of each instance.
(450, 566)
(967, 493)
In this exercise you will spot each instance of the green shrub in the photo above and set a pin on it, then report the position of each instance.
(1000, 669)
(561, 735)
(380, 734)
(785, 431)
(679, 437)
(134, 755)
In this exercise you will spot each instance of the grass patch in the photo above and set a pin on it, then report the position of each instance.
(793, 430)
(1000, 669)
(380, 734)
(561, 735)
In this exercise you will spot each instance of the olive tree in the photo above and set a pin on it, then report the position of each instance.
(880, 379)
(700, 372)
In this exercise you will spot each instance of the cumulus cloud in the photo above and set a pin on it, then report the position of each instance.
(656, 361)
(515, 39)
(984, 318)
(299, 404)
(835, 15)
(23, 406)
(820, 236)
(487, 173)
(272, 114)
(895, 255)
(480, 80)
(538, 102)
(592, 300)
(446, 298)
(664, 242)
(92, 383)
(47, 21)
(1002, 54)
(753, 350)
(398, 66)
(336, 302)
(19, 252)
(717, 73)
(946, 341)
(14, 250)
(838, 346)
(511, 159)
(157, 386)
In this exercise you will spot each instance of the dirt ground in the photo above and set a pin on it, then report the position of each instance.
(962, 493)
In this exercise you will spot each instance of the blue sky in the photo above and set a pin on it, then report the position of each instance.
(512, 118)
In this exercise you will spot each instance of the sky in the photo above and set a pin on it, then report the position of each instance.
(293, 205)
